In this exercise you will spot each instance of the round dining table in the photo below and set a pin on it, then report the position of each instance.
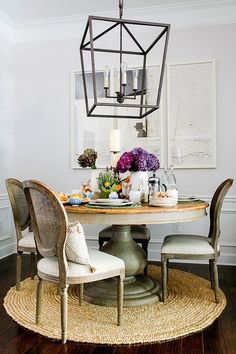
(138, 288)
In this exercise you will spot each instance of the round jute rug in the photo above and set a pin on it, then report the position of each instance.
(190, 307)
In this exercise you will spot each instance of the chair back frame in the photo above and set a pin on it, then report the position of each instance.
(215, 211)
(19, 205)
(49, 222)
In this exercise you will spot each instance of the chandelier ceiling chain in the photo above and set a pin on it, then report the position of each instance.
(121, 5)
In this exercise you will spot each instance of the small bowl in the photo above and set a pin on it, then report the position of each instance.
(88, 194)
(75, 201)
(164, 202)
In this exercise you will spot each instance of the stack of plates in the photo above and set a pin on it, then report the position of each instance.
(163, 202)
(111, 202)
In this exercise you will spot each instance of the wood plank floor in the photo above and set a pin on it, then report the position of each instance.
(219, 338)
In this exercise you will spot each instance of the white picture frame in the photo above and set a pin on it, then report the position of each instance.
(87, 132)
(191, 114)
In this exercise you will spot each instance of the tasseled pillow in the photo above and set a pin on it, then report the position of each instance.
(76, 247)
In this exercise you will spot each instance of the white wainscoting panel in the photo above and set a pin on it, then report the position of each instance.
(7, 230)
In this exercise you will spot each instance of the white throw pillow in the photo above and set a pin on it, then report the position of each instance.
(76, 248)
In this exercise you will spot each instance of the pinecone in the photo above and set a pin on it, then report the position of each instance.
(88, 158)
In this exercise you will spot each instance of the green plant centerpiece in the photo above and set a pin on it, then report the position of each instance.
(108, 181)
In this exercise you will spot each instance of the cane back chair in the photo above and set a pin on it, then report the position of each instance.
(183, 246)
(50, 224)
(25, 237)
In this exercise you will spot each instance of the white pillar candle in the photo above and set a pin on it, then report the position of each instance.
(123, 66)
(114, 158)
(115, 140)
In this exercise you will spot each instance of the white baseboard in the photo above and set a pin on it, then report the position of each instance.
(7, 250)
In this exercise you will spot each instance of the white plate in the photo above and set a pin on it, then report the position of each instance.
(123, 204)
(162, 205)
(186, 198)
(111, 201)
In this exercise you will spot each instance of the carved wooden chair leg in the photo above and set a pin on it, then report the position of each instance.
(216, 280)
(39, 300)
(64, 304)
(145, 248)
(211, 273)
(32, 264)
(120, 293)
(58, 290)
(81, 294)
(164, 278)
(167, 269)
(18, 269)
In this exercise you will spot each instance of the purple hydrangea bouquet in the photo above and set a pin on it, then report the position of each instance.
(137, 160)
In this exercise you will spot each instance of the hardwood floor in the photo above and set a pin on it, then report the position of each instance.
(219, 338)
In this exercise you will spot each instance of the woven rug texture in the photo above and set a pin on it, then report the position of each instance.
(190, 307)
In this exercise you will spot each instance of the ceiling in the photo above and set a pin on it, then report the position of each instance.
(29, 10)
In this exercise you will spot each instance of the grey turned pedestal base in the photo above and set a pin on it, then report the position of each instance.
(138, 289)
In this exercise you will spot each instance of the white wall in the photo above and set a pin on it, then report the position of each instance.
(42, 106)
(7, 136)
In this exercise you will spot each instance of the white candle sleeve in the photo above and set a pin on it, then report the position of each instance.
(106, 73)
(124, 78)
(106, 82)
(118, 85)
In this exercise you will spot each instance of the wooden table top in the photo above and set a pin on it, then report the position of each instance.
(144, 214)
(145, 208)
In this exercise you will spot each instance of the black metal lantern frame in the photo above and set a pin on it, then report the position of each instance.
(121, 98)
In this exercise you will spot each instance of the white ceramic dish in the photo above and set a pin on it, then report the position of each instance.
(163, 202)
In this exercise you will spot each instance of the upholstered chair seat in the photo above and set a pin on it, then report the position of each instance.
(101, 262)
(188, 244)
(27, 241)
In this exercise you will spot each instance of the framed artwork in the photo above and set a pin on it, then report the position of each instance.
(148, 131)
(88, 132)
(191, 111)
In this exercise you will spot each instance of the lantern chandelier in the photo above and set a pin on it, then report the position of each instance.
(129, 85)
